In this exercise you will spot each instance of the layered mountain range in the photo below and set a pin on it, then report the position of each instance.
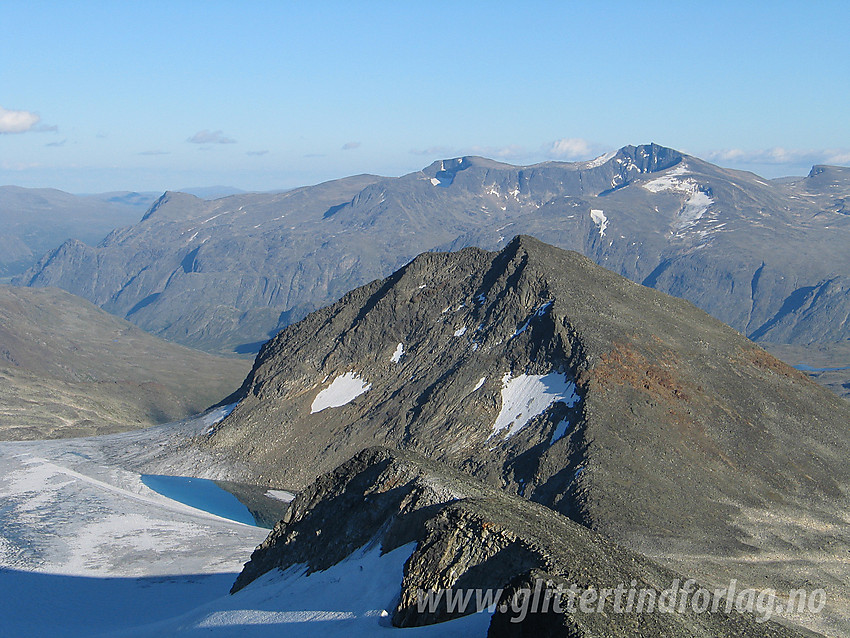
(540, 374)
(766, 257)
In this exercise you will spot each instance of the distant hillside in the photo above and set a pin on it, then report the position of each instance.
(36, 220)
(67, 368)
(766, 257)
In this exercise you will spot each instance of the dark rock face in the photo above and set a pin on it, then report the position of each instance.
(470, 537)
(663, 428)
(768, 258)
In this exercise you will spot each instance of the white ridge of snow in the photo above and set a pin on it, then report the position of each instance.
(599, 161)
(398, 354)
(352, 599)
(281, 495)
(529, 395)
(216, 416)
(342, 390)
(600, 220)
(460, 331)
(479, 384)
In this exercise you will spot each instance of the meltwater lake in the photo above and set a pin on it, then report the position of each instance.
(202, 494)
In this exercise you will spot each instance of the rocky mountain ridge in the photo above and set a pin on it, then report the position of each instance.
(544, 375)
(469, 537)
(767, 257)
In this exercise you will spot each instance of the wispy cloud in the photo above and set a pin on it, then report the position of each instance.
(779, 155)
(17, 121)
(155, 153)
(57, 143)
(256, 153)
(574, 149)
(348, 146)
(510, 152)
(210, 137)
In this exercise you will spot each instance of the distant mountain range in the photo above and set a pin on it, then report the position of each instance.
(767, 257)
(550, 378)
(67, 368)
(37, 220)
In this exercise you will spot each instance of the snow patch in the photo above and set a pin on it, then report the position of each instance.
(398, 354)
(351, 599)
(538, 312)
(669, 181)
(695, 207)
(479, 384)
(435, 181)
(342, 390)
(600, 220)
(214, 417)
(560, 431)
(599, 161)
(529, 395)
(460, 331)
(281, 495)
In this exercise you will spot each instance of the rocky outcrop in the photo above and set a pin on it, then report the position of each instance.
(468, 537)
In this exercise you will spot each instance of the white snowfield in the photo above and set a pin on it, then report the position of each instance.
(529, 395)
(600, 220)
(342, 390)
(695, 206)
(86, 549)
(398, 354)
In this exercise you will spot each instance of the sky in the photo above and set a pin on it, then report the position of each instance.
(154, 96)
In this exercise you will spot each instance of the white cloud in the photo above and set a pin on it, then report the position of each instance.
(779, 155)
(348, 146)
(210, 137)
(572, 148)
(256, 153)
(17, 121)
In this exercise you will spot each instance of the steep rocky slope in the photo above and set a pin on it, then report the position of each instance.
(541, 373)
(468, 538)
(67, 368)
(768, 258)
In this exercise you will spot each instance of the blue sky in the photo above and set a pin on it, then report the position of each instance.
(100, 96)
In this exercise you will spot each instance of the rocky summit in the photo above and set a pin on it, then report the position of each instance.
(468, 538)
(544, 375)
(767, 257)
